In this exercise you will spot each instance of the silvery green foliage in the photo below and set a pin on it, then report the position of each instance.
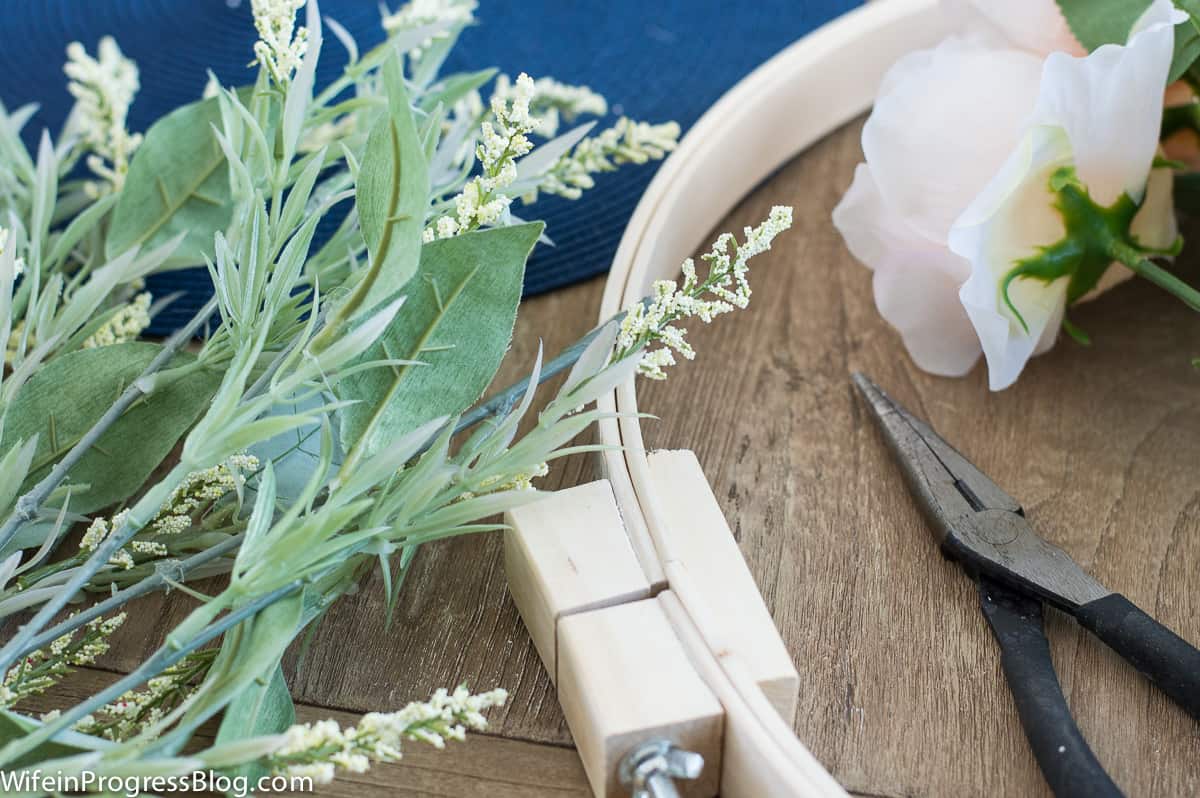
(367, 350)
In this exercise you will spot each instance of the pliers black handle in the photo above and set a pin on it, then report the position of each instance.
(1162, 656)
(1066, 760)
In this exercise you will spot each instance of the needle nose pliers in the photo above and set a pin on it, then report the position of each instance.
(986, 532)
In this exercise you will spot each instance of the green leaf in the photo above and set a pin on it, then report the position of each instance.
(177, 182)
(392, 193)
(453, 88)
(296, 455)
(1097, 22)
(64, 398)
(29, 536)
(1187, 39)
(249, 656)
(458, 320)
(261, 708)
(14, 467)
(1081, 337)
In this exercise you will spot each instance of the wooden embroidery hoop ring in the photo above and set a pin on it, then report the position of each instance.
(801, 95)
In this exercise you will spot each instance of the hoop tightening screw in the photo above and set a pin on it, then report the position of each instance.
(650, 769)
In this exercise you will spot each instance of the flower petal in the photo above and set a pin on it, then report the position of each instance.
(944, 122)
(924, 307)
(916, 281)
(1110, 104)
(1034, 25)
(1008, 221)
(1155, 226)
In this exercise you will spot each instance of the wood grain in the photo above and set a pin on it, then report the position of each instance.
(568, 553)
(901, 688)
(901, 692)
(624, 677)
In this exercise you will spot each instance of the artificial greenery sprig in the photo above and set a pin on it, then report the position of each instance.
(26, 508)
(347, 370)
(317, 750)
(723, 289)
(41, 669)
(129, 714)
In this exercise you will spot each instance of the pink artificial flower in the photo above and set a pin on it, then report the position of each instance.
(955, 188)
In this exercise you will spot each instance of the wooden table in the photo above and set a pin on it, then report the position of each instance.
(903, 694)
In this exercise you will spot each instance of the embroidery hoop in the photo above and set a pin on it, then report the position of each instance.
(806, 92)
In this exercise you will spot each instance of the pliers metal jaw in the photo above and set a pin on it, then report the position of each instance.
(973, 519)
(976, 523)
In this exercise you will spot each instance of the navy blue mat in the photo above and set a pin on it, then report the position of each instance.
(654, 59)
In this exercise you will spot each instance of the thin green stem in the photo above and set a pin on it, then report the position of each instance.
(154, 582)
(166, 656)
(138, 516)
(1165, 280)
(504, 401)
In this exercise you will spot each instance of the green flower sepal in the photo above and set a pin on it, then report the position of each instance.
(1096, 236)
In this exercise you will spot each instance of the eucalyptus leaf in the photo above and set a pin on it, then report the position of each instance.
(261, 708)
(177, 183)
(392, 192)
(65, 397)
(296, 454)
(458, 319)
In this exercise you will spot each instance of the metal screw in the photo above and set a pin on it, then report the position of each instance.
(650, 769)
